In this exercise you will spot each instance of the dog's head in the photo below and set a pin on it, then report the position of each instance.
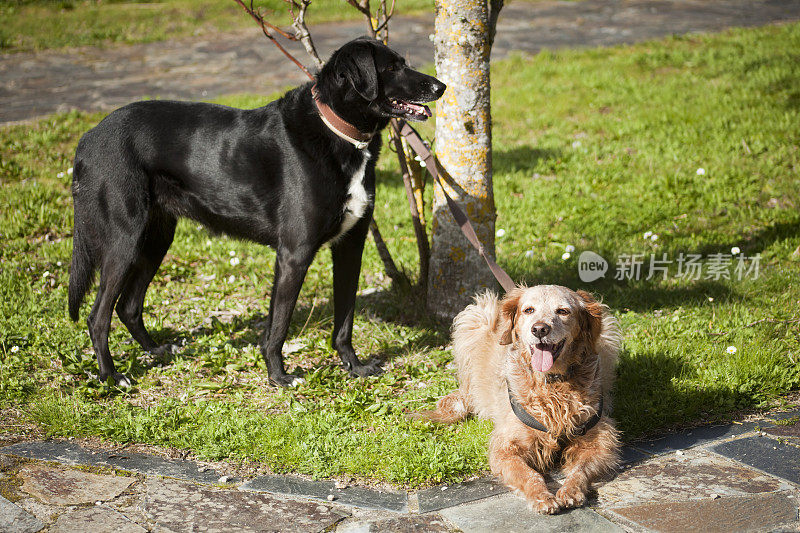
(550, 324)
(368, 75)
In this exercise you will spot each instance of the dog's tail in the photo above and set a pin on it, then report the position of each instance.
(452, 408)
(81, 274)
(83, 265)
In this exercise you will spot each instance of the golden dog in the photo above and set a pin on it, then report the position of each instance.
(540, 364)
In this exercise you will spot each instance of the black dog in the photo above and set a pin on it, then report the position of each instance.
(295, 174)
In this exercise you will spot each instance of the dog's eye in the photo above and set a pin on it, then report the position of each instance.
(391, 68)
(563, 311)
(528, 310)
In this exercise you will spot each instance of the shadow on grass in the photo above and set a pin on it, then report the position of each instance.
(645, 295)
(646, 397)
(398, 305)
(521, 158)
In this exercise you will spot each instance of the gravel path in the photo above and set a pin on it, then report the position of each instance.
(90, 78)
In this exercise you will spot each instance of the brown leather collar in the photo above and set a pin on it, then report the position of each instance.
(338, 125)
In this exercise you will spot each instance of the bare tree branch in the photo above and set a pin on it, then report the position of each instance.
(423, 248)
(265, 27)
(388, 263)
(301, 29)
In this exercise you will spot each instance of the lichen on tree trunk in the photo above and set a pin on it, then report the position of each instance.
(464, 148)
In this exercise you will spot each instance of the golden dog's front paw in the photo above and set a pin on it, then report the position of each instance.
(543, 504)
(570, 496)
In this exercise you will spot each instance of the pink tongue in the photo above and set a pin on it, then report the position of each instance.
(541, 358)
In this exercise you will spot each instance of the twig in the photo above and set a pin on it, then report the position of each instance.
(388, 263)
(310, 313)
(265, 26)
(301, 29)
(423, 247)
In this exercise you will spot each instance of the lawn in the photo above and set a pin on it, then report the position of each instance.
(596, 149)
(40, 24)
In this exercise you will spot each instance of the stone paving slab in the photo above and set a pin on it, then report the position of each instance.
(510, 514)
(155, 465)
(689, 438)
(761, 512)
(60, 451)
(695, 474)
(95, 520)
(443, 496)
(63, 486)
(321, 490)
(103, 78)
(764, 453)
(631, 455)
(14, 519)
(67, 452)
(402, 524)
(185, 506)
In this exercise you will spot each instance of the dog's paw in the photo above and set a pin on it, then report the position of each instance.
(367, 369)
(544, 504)
(570, 496)
(119, 380)
(286, 380)
(165, 349)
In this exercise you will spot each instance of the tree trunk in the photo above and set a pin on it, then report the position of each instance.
(464, 147)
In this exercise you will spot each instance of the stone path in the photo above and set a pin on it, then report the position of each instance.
(733, 477)
(36, 84)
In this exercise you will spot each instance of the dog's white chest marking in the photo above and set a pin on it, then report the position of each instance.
(357, 198)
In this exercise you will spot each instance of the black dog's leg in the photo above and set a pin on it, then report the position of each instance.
(112, 278)
(157, 240)
(290, 271)
(346, 253)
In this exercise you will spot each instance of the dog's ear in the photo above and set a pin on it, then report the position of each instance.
(508, 316)
(357, 66)
(591, 317)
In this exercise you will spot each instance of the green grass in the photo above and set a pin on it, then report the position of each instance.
(592, 149)
(42, 24)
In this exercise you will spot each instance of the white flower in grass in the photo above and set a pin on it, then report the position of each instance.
(232, 253)
(69, 171)
(500, 232)
(565, 256)
(164, 302)
(735, 250)
(701, 172)
(14, 349)
(231, 279)
(208, 242)
(60, 175)
(647, 234)
(731, 350)
(654, 237)
(529, 254)
(710, 299)
(569, 248)
(234, 261)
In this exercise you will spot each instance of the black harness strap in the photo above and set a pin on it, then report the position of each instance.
(529, 420)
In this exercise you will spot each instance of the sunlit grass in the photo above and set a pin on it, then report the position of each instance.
(593, 149)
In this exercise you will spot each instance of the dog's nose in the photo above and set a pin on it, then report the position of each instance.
(437, 87)
(540, 329)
